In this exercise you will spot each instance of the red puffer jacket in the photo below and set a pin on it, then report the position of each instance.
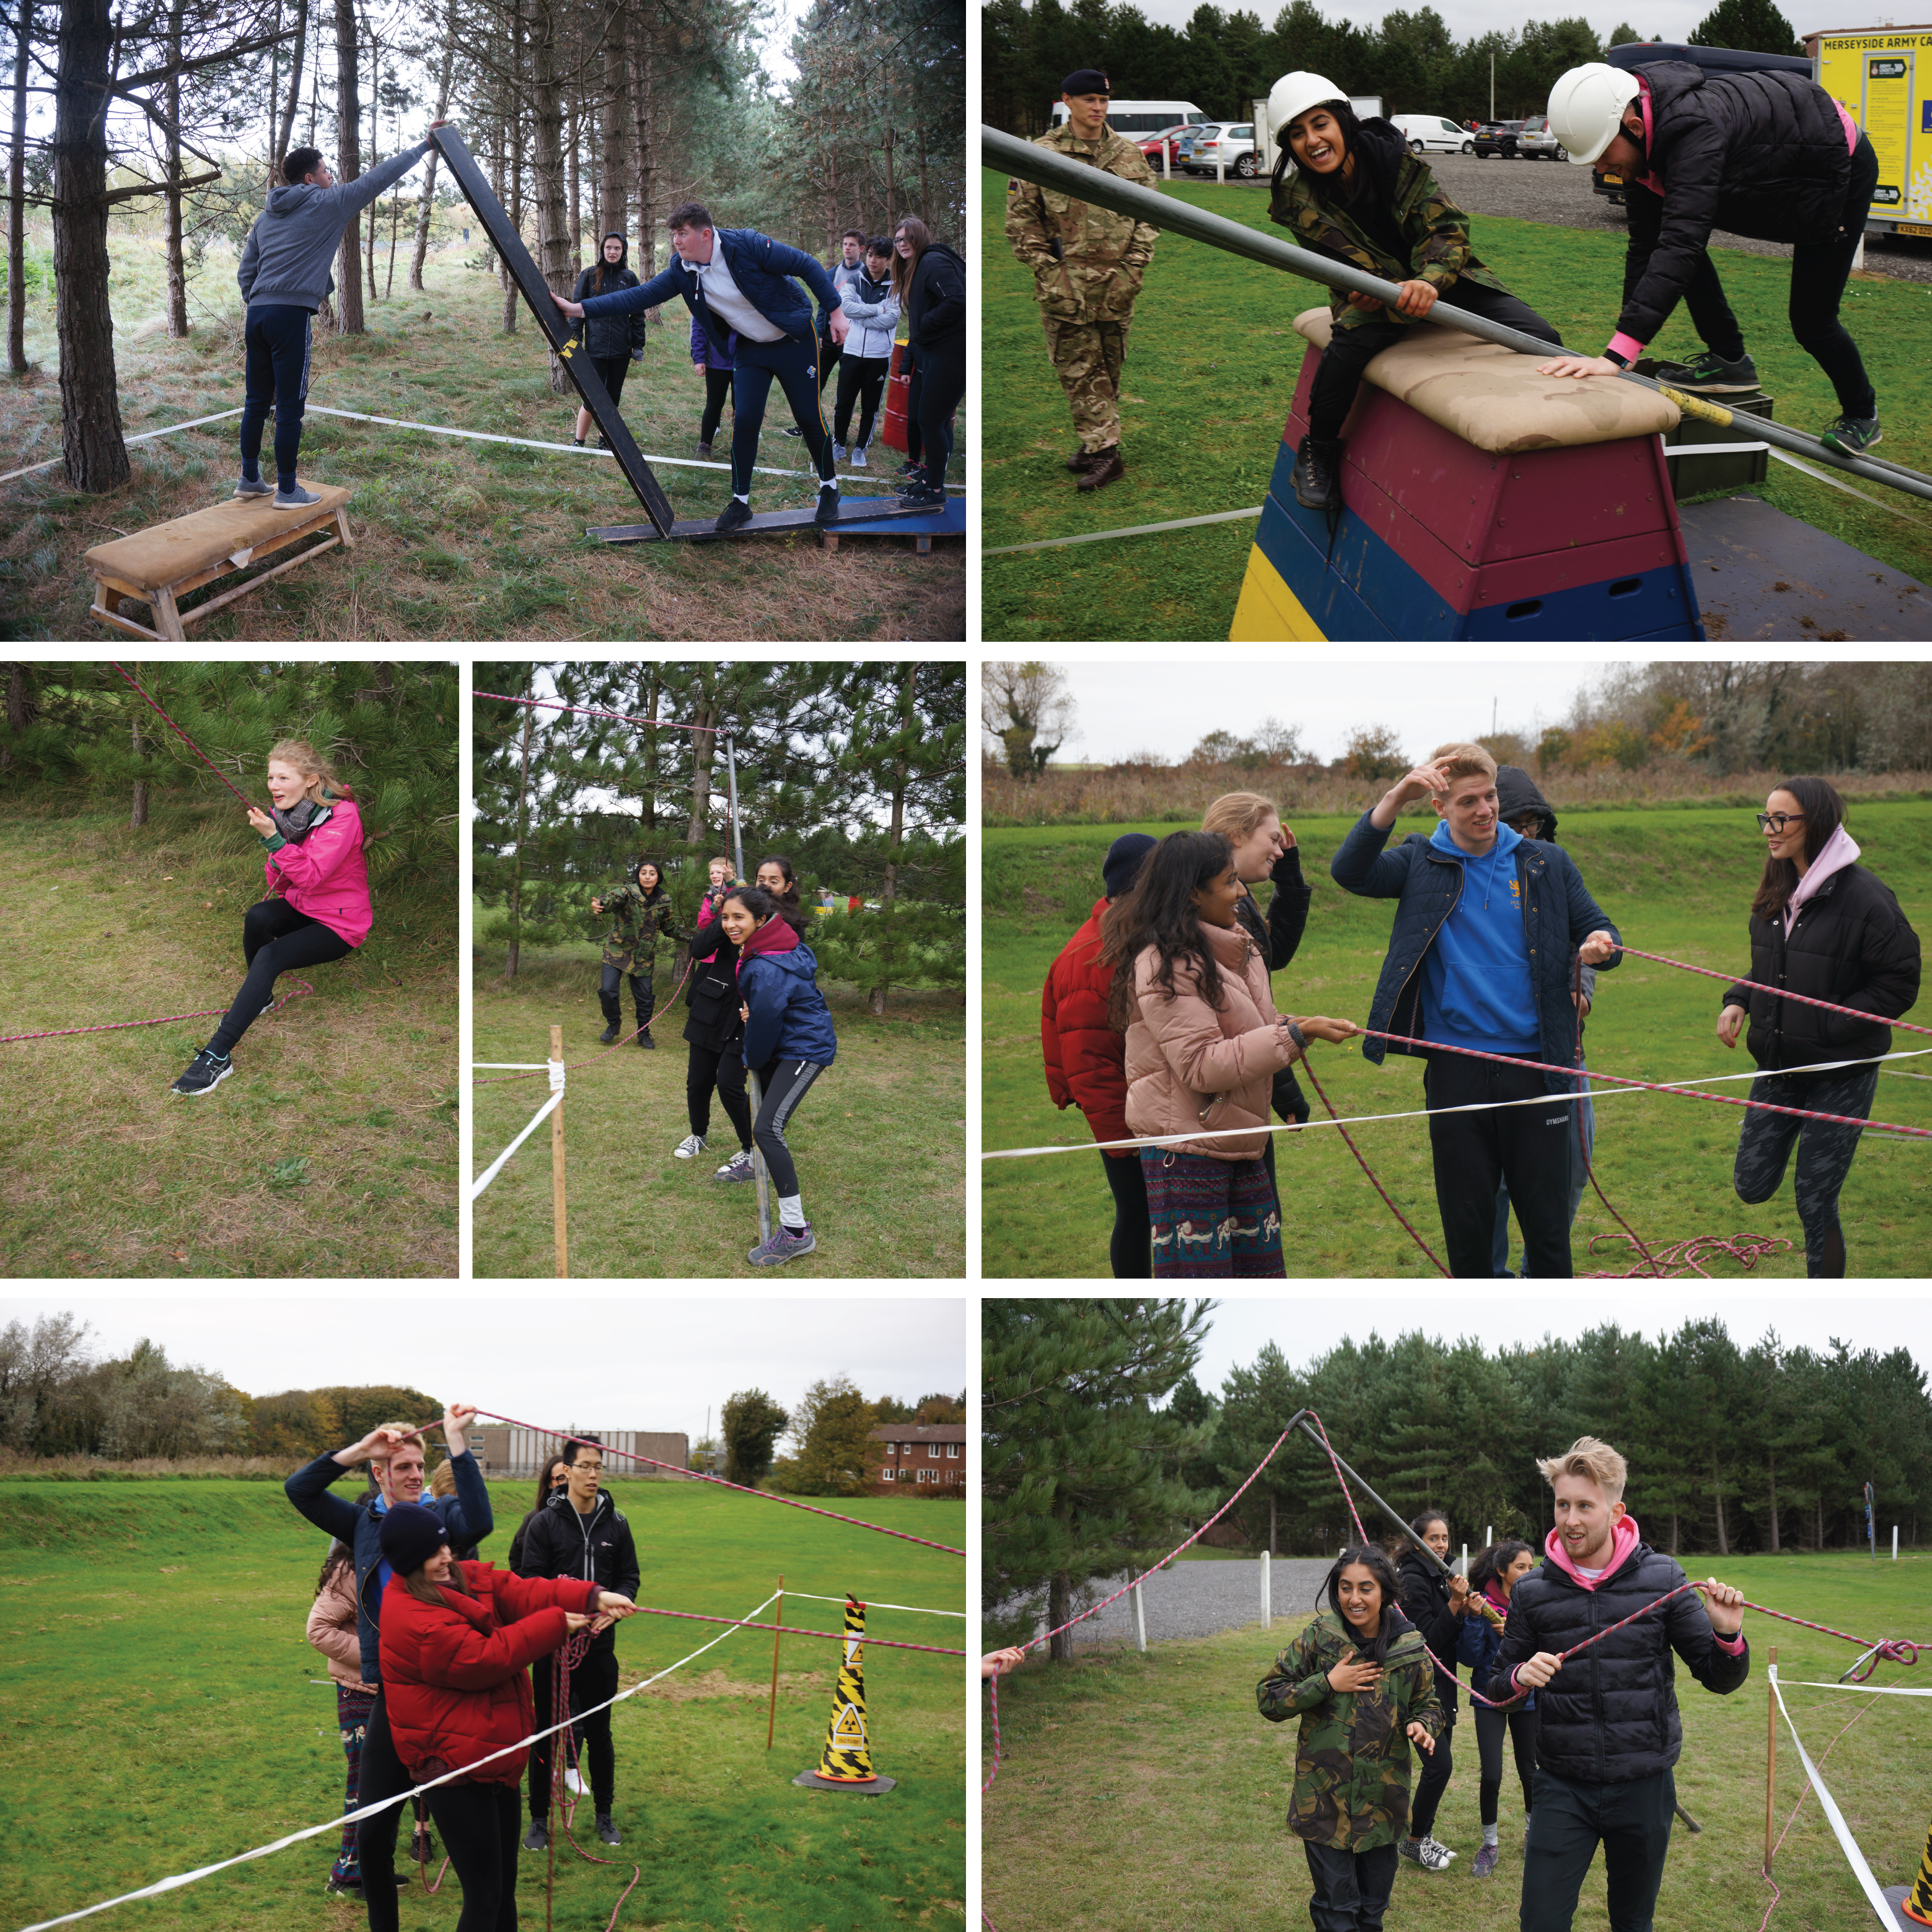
(1085, 1058)
(453, 1673)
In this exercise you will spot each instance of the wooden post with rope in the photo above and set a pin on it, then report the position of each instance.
(1770, 1756)
(557, 1213)
(778, 1617)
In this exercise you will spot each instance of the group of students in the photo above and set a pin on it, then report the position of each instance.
(754, 1003)
(442, 1662)
(1158, 1019)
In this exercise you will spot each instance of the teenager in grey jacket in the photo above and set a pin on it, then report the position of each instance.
(873, 309)
(284, 278)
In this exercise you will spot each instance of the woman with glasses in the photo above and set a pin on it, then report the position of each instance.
(1822, 926)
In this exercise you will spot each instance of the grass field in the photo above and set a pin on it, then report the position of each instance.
(1677, 882)
(454, 539)
(331, 1150)
(879, 1141)
(159, 1701)
(1211, 369)
(1144, 1791)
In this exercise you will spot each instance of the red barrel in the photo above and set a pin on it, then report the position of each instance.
(896, 388)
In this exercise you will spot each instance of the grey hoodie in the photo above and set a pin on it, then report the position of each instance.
(288, 252)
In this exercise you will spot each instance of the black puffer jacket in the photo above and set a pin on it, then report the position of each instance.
(607, 337)
(935, 303)
(1610, 1717)
(1424, 1592)
(1850, 945)
(1762, 154)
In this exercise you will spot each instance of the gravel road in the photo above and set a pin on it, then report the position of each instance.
(1556, 192)
(1204, 1598)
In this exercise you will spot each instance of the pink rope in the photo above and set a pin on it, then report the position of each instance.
(1667, 1261)
(193, 747)
(167, 1019)
(835, 1636)
(1776, 993)
(1308, 1069)
(590, 1059)
(622, 717)
(563, 1751)
(699, 1475)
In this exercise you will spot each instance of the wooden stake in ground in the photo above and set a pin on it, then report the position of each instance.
(778, 1617)
(1770, 1756)
(557, 1206)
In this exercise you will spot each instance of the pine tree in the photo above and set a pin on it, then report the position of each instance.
(1751, 26)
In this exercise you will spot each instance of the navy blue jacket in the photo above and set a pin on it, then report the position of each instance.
(758, 265)
(789, 1019)
(1478, 1644)
(467, 1517)
(1558, 914)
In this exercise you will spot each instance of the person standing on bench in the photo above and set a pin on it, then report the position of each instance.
(734, 280)
(284, 278)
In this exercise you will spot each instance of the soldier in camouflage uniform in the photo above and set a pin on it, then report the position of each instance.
(1087, 265)
(1351, 191)
(639, 913)
(1350, 1802)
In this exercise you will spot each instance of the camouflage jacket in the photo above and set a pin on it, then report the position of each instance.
(1436, 229)
(1087, 263)
(630, 944)
(1351, 1760)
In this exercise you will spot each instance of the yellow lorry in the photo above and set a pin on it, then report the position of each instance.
(1881, 76)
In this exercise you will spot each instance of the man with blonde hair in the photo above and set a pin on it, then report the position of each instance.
(1488, 927)
(1608, 1732)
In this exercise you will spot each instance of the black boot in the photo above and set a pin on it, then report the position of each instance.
(1317, 478)
(614, 1018)
(1082, 459)
(644, 999)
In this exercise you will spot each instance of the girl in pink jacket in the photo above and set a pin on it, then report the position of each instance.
(317, 906)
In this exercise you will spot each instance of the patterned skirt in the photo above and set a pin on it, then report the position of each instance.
(1210, 1220)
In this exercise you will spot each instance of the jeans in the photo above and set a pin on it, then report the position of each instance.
(275, 939)
(277, 339)
(1128, 1253)
(1527, 1147)
(1824, 1154)
(1631, 1821)
(1579, 1177)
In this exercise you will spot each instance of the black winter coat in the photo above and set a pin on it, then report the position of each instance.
(1850, 945)
(1423, 1593)
(607, 337)
(1762, 154)
(1277, 938)
(711, 999)
(1610, 1716)
(935, 303)
(559, 1542)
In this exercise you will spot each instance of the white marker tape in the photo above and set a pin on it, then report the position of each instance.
(1854, 1857)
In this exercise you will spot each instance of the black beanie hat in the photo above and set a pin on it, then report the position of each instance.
(410, 1536)
(1087, 80)
(1125, 857)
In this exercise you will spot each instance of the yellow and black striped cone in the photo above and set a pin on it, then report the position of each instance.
(1917, 1904)
(846, 1762)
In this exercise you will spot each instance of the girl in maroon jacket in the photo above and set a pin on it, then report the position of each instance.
(317, 906)
(457, 1639)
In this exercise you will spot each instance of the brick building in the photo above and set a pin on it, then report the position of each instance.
(928, 1454)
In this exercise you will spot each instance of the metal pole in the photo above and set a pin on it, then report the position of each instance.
(1894, 1543)
(560, 1223)
(761, 1179)
(1308, 1429)
(1104, 190)
(1770, 1754)
(1267, 1603)
(778, 1617)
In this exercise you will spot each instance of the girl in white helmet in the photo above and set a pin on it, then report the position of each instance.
(1351, 191)
(1767, 154)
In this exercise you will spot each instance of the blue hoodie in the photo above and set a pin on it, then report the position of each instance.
(789, 1019)
(1477, 989)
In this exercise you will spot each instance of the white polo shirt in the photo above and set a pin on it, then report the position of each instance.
(728, 301)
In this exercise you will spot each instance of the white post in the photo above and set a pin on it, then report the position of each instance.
(1268, 1606)
(1221, 181)
(1465, 1560)
(1894, 1543)
(1140, 1616)
(1858, 259)
(1489, 1535)
(1167, 160)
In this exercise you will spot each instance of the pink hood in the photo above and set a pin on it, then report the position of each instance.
(1624, 1537)
(325, 876)
(1840, 850)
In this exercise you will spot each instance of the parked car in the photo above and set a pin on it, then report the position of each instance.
(1169, 138)
(1231, 144)
(1431, 134)
(1538, 142)
(1498, 137)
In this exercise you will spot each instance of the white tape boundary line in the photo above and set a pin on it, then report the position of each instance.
(335, 1824)
(917, 1609)
(496, 1167)
(1132, 530)
(1854, 1857)
(145, 435)
(1839, 483)
(1870, 1690)
(1595, 1093)
(531, 1065)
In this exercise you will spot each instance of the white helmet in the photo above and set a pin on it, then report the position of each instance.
(1295, 93)
(1586, 109)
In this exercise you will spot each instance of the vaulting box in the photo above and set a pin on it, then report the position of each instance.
(1480, 500)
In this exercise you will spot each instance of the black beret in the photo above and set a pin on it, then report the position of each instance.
(1087, 80)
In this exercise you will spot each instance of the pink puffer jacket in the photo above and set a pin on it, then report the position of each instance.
(325, 877)
(331, 1629)
(1188, 1067)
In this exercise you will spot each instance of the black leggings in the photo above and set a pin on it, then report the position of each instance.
(277, 336)
(1436, 1768)
(782, 1084)
(480, 1827)
(380, 1775)
(593, 1681)
(791, 361)
(717, 392)
(938, 381)
(275, 939)
(1129, 1247)
(1824, 1154)
(1490, 1726)
(1351, 350)
(722, 1068)
(611, 370)
(860, 380)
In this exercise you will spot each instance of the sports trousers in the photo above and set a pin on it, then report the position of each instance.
(782, 1085)
(1490, 1727)
(593, 1681)
(793, 364)
(1437, 1768)
(717, 392)
(1528, 1147)
(275, 939)
(861, 378)
(938, 383)
(1350, 1892)
(276, 343)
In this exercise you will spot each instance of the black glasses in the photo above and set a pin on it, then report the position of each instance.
(589, 1469)
(1770, 821)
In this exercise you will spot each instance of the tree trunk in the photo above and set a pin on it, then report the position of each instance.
(1059, 1608)
(703, 748)
(1271, 1520)
(1774, 1506)
(516, 871)
(643, 78)
(576, 217)
(375, 155)
(1673, 1532)
(427, 206)
(139, 815)
(548, 165)
(286, 133)
(171, 220)
(348, 165)
(612, 208)
(91, 440)
(516, 203)
(17, 205)
(895, 832)
(655, 689)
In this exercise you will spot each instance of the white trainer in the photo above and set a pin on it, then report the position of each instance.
(689, 1148)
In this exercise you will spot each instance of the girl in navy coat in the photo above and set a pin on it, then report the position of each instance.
(788, 1041)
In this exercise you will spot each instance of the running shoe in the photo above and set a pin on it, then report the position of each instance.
(297, 499)
(689, 1148)
(1710, 374)
(343, 1888)
(644, 1038)
(258, 487)
(1852, 436)
(573, 1780)
(205, 1072)
(738, 1168)
(606, 1830)
(839, 452)
(786, 1244)
(537, 1838)
(859, 458)
(1425, 1853)
(704, 449)
(735, 513)
(794, 431)
(1487, 1860)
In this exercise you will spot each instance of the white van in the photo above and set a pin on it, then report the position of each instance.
(1431, 134)
(1138, 119)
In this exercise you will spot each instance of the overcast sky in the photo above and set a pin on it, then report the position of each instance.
(557, 1357)
(1470, 19)
(1125, 708)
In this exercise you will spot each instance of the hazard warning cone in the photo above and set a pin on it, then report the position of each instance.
(846, 1763)
(1916, 1905)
